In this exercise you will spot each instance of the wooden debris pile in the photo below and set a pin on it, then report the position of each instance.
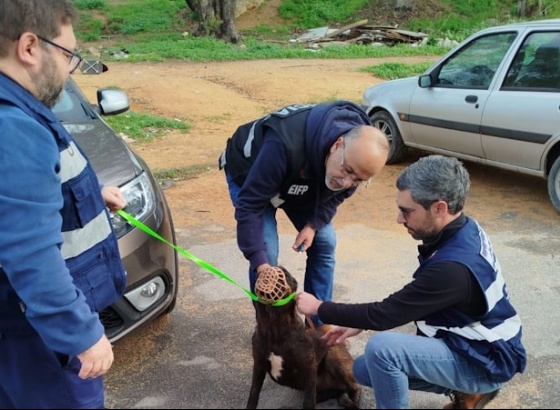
(360, 33)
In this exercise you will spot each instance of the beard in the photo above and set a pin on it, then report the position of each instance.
(329, 183)
(48, 83)
(422, 234)
(425, 232)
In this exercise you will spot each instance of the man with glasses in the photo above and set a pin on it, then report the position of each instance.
(74, 59)
(305, 159)
(468, 339)
(59, 258)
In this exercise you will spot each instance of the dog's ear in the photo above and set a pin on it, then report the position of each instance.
(292, 282)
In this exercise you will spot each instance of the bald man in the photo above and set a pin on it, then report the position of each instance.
(305, 159)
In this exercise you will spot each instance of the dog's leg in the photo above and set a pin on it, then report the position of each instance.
(352, 395)
(259, 373)
(310, 390)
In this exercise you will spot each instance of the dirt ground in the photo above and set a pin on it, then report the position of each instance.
(217, 97)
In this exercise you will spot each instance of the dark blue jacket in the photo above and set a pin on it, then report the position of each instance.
(280, 160)
(59, 259)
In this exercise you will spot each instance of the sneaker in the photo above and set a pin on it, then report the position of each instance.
(470, 401)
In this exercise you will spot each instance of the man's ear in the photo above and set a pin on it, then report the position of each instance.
(440, 208)
(28, 49)
(339, 141)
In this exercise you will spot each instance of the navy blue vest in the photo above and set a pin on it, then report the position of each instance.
(494, 339)
(290, 124)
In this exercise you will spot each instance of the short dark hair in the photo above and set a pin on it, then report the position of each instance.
(436, 178)
(42, 17)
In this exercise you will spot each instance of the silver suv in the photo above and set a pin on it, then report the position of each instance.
(493, 99)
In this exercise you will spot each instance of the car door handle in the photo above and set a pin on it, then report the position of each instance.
(471, 99)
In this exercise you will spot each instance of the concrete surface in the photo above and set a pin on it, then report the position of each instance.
(199, 356)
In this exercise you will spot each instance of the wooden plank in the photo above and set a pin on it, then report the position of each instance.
(348, 27)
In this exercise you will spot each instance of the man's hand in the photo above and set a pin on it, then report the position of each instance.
(113, 197)
(338, 334)
(304, 239)
(97, 360)
(307, 304)
(263, 267)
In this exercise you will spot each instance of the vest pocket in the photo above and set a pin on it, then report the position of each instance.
(101, 281)
(80, 207)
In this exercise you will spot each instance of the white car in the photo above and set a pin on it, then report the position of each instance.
(493, 99)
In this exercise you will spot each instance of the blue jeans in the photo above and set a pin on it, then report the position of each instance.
(319, 269)
(394, 363)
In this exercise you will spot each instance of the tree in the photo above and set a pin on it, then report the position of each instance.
(216, 17)
(530, 8)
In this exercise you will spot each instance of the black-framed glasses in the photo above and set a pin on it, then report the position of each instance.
(74, 59)
(350, 174)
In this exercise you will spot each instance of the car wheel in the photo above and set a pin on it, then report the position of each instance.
(384, 122)
(554, 184)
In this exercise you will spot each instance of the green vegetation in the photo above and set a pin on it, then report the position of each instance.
(317, 13)
(157, 30)
(208, 49)
(465, 17)
(144, 127)
(391, 71)
(180, 173)
(91, 4)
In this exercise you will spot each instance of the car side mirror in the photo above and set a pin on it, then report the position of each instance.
(112, 101)
(425, 81)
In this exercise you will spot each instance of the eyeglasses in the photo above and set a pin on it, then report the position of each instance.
(350, 174)
(74, 59)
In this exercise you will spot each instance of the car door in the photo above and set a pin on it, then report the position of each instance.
(521, 117)
(446, 116)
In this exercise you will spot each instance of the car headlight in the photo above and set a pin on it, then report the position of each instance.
(140, 201)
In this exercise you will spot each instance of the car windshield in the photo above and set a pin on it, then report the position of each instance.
(70, 108)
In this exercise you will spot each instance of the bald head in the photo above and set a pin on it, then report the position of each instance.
(366, 150)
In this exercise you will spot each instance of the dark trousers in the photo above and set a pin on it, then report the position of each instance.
(34, 377)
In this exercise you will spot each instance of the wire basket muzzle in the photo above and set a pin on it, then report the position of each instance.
(271, 285)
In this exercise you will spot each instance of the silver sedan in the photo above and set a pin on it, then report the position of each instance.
(493, 99)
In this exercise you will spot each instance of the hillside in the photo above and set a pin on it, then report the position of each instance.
(379, 12)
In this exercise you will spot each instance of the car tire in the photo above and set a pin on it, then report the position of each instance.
(386, 124)
(554, 184)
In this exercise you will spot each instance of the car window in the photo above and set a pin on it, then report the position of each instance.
(474, 66)
(536, 64)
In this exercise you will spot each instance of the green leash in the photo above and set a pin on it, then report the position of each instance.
(133, 221)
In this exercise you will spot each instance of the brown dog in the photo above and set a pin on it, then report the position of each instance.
(294, 355)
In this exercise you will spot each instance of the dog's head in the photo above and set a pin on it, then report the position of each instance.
(273, 284)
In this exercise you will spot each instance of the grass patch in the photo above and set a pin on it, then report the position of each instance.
(205, 49)
(392, 71)
(91, 4)
(181, 173)
(144, 127)
(317, 13)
